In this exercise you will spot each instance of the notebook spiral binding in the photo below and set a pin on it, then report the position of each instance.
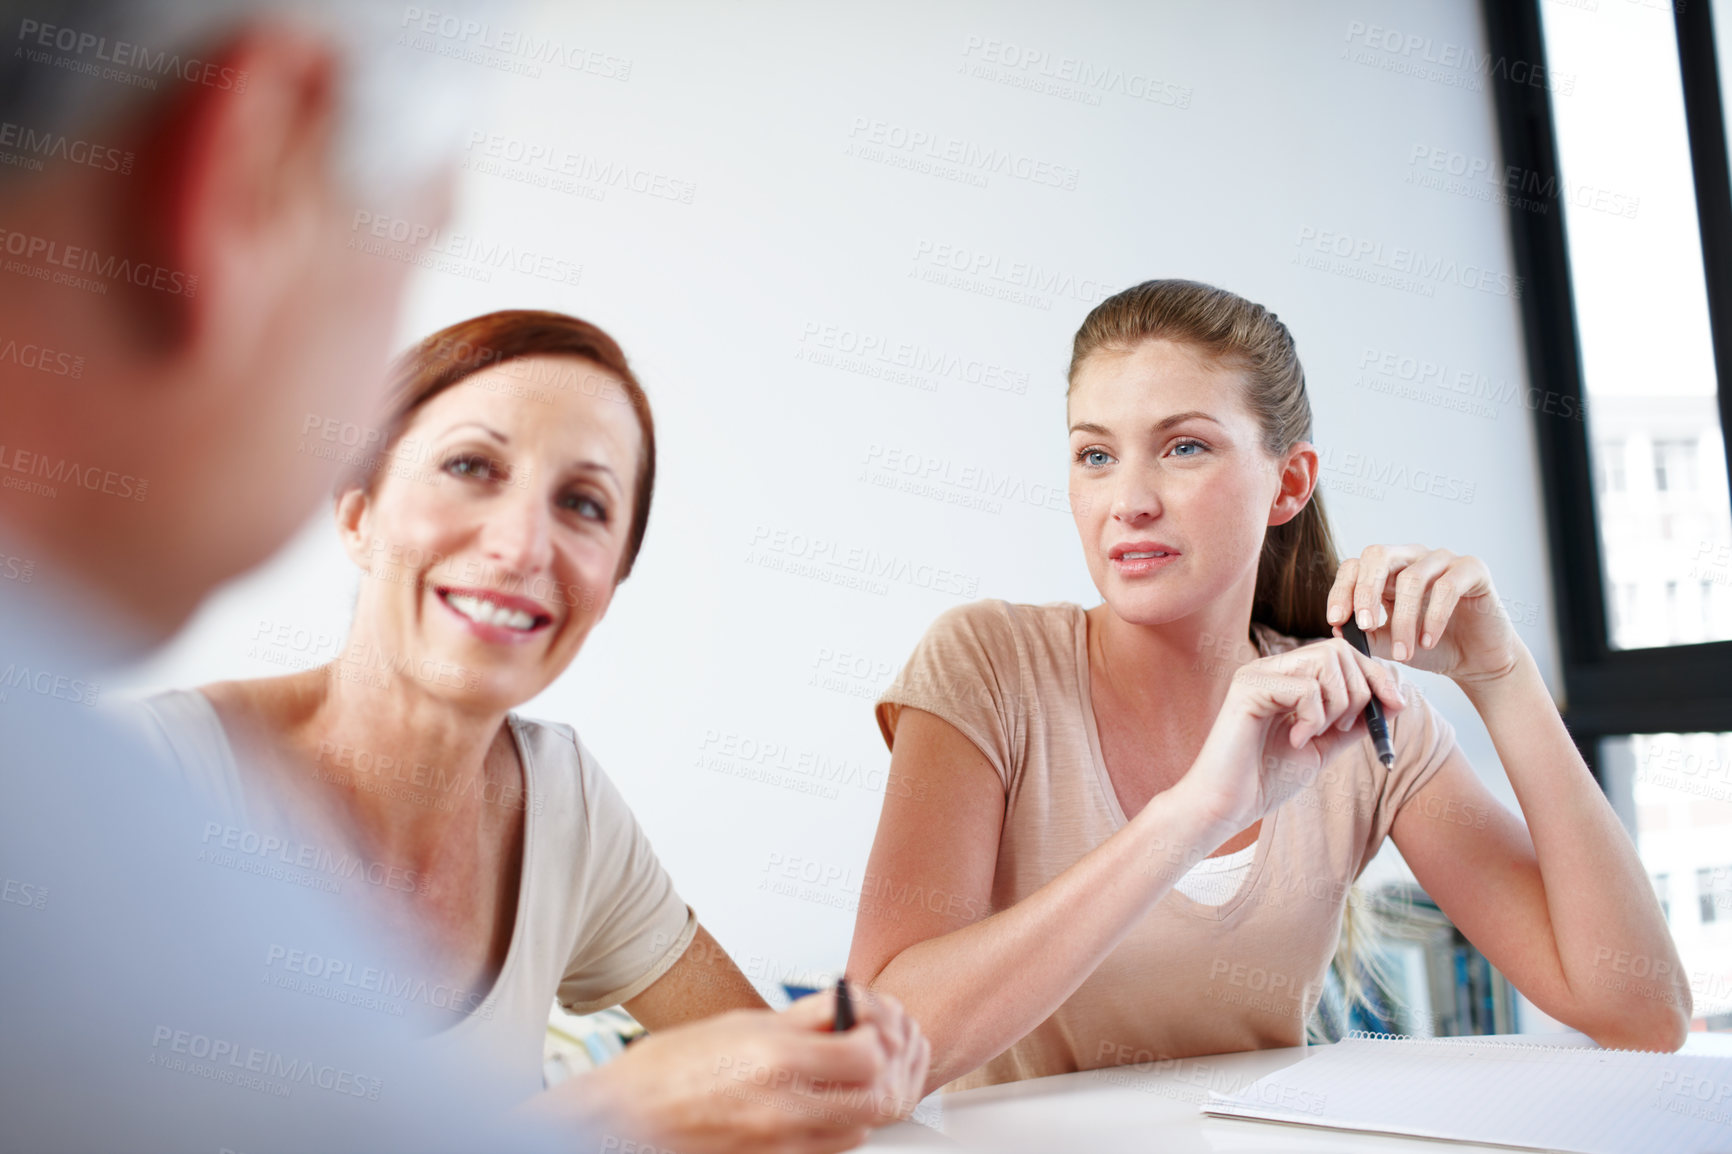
(1495, 1040)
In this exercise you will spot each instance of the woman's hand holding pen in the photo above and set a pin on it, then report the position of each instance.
(1410, 601)
(1549, 895)
(751, 1080)
(1284, 719)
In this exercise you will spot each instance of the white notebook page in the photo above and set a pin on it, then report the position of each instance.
(1569, 1098)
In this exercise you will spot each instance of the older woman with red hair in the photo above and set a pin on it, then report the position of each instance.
(508, 500)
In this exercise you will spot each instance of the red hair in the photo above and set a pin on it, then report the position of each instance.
(459, 351)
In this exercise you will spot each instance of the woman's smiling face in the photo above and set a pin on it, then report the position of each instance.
(494, 537)
(1170, 484)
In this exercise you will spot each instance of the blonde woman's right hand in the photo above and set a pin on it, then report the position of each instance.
(1285, 717)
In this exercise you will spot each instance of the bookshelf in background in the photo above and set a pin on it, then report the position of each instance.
(1420, 976)
(579, 1042)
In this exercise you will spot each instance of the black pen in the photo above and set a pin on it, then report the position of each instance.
(1375, 724)
(844, 1007)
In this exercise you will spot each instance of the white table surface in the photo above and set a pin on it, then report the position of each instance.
(1155, 1107)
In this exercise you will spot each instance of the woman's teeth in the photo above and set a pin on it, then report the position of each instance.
(489, 612)
(1139, 556)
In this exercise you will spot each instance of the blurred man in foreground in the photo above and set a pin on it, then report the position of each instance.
(178, 186)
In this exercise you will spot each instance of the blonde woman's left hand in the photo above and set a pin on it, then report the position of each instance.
(1427, 608)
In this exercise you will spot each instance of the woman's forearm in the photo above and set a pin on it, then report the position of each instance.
(1614, 950)
(977, 990)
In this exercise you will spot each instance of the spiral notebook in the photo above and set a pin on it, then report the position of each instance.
(1580, 1099)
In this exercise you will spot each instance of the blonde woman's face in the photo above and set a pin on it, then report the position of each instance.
(1170, 485)
(492, 545)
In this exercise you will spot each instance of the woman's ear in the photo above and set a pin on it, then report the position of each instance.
(1298, 481)
(351, 511)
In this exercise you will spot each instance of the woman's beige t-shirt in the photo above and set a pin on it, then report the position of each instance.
(1189, 978)
(598, 919)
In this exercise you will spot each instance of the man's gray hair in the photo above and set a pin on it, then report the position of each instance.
(74, 66)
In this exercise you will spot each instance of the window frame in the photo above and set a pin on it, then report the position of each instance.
(1606, 691)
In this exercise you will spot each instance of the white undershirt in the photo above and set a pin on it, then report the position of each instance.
(1214, 880)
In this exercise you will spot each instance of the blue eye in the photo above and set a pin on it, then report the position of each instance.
(1094, 458)
(1198, 445)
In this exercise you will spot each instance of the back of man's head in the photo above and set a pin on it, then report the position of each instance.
(179, 280)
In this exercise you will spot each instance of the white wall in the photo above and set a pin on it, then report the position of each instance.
(1274, 127)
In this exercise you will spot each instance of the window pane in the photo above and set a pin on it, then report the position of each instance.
(1629, 209)
(1674, 790)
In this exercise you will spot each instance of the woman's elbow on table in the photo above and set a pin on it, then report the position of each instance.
(1662, 1024)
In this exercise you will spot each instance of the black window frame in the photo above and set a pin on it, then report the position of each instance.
(1609, 692)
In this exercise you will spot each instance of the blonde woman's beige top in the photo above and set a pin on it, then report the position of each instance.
(1189, 978)
(598, 919)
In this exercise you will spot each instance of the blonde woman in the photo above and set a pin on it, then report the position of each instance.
(1134, 826)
